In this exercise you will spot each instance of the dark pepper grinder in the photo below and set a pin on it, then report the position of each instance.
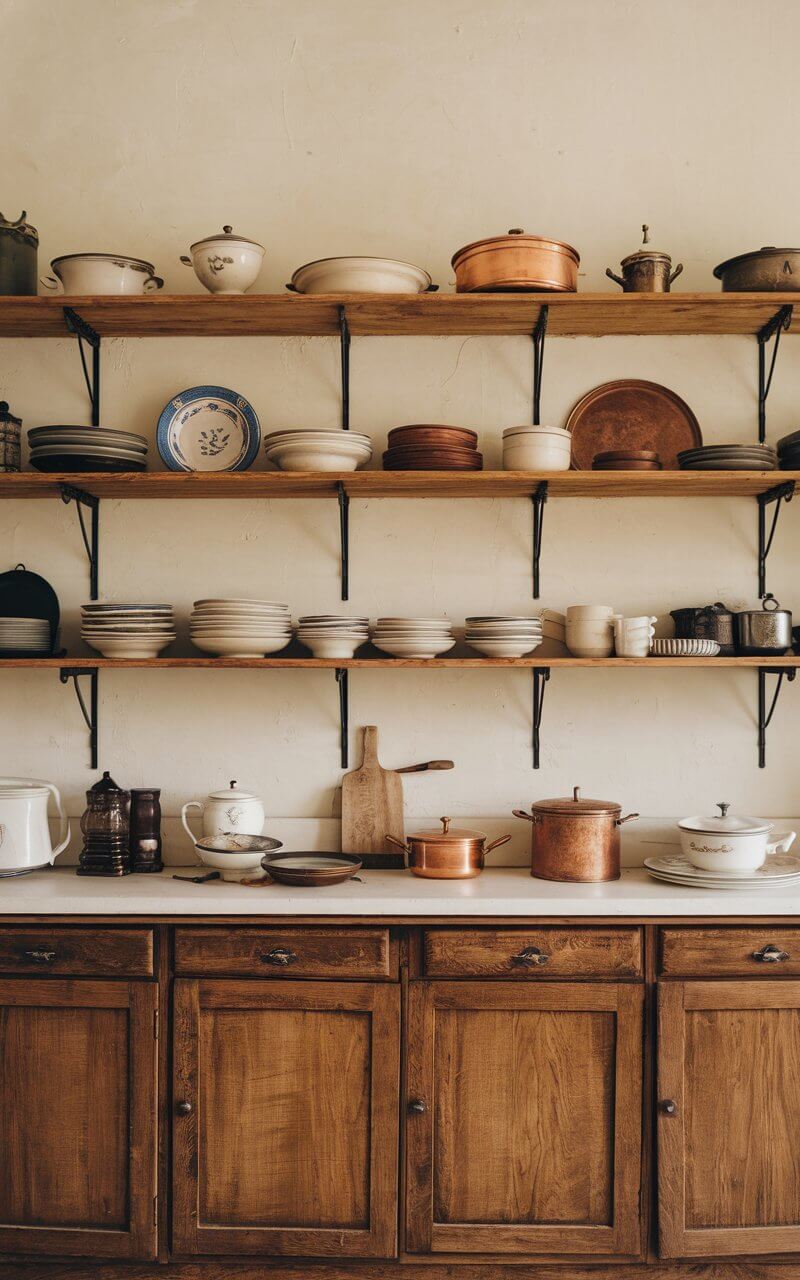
(106, 830)
(145, 845)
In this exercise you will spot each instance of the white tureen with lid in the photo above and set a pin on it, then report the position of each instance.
(227, 811)
(728, 842)
(226, 263)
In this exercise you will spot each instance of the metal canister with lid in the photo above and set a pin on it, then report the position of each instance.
(647, 270)
(575, 839)
(10, 432)
(19, 255)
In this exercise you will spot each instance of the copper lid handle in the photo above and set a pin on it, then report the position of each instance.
(445, 825)
(516, 231)
(576, 794)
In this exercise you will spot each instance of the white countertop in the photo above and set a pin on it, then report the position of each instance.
(502, 891)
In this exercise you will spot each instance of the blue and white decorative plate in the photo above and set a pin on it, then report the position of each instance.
(208, 429)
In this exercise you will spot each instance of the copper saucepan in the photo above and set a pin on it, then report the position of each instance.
(575, 839)
(456, 854)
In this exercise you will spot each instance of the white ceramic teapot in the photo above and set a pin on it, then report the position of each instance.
(24, 832)
(225, 811)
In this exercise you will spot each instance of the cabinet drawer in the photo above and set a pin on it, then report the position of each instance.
(287, 952)
(728, 952)
(532, 953)
(103, 953)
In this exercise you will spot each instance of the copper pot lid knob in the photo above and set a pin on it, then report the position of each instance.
(576, 794)
(445, 825)
(516, 231)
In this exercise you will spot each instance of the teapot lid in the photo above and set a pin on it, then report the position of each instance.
(645, 254)
(105, 786)
(227, 233)
(233, 791)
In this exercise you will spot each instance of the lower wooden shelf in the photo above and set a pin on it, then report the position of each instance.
(790, 662)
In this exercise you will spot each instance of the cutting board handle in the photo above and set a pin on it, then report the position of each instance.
(370, 745)
(428, 765)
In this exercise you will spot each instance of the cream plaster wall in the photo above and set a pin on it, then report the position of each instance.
(326, 127)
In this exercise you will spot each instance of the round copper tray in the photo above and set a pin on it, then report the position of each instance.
(629, 415)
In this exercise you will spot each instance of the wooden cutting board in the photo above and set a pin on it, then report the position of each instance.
(372, 807)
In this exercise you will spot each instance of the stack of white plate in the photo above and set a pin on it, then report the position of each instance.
(413, 637)
(127, 630)
(331, 636)
(86, 449)
(307, 450)
(503, 637)
(779, 869)
(240, 628)
(24, 635)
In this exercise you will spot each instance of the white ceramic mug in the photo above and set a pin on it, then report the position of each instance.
(632, 636)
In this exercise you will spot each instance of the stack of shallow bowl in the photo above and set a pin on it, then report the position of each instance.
(423, 447)
(24, 635)
(240, 628)
(127, 630)
(329, 635)
(538, 448)
(627, 460)
(86, 449)
(324, 450)
(729, 457)
(413, 637)
(789, 452)
(503, 637)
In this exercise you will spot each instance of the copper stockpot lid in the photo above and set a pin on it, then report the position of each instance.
(449, 835)
(517, 236)
(575, 805)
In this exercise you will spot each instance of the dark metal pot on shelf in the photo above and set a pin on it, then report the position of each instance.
(709, 622)
(767, 270)
(19, 255)
(764, 631)
(647, 270)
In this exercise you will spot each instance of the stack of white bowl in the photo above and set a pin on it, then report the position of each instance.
(503, 637)
(328, 635)
(327, 450)
(24, 635)
(127, 630)
(413, 637)
(590, 630)
(240, 628)
(538, 448)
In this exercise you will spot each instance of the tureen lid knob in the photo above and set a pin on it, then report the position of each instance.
(234, 784)
(227, 230)
(723, 807)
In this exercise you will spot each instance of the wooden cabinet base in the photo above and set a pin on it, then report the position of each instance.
(298, 1270)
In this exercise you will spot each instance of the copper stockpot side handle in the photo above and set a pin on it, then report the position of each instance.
(522, 813)
(629, 817)
(399, 844)
(495, 844)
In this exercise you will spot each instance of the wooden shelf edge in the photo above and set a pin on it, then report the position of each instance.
(787, 662)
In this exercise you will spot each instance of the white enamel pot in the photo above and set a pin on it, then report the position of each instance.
(730, 843)
(226, 811)
(25, 843)
(226, 263)
(102, 273)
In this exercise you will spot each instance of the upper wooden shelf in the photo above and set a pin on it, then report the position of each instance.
(287, 314)
(382, 662)
(399, 484)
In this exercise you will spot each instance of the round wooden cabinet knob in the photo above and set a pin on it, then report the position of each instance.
(669, 1107)
(184, 1108)
(418, 1106)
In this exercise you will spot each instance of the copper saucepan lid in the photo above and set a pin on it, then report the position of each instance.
(450, 837)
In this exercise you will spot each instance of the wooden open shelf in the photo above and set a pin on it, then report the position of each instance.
(399, 484)
(382, 663)
(434, 314)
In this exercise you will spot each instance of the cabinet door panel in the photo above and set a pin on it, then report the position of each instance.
(530, 1137)
(78, 1103)
(729, 1153)
(291, 1147)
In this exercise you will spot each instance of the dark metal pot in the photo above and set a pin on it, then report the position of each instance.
(711, 622)
(574, 839)
(19, 252)
(767, 270)
(647, 270)
(764, 631)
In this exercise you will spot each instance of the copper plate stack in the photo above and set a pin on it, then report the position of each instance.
(627, 460)
(432, 448)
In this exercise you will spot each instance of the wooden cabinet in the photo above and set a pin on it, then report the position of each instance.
(78, 1112)
(729, 1118)
(285, 1133)
(524, 1118)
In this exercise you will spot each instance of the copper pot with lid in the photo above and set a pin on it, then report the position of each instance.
(516, 263)
(575, 839)
(454, 853)
(647, 270)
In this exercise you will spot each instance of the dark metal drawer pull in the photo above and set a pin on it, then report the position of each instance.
(770, 954)
(184, 1108)
(279, 955)
(418, 1106)
(530, 956)
(669, 1107)
(40, 957)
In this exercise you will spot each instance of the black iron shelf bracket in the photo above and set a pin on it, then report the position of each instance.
(541, 675)
(539, 498)
(89, 713)
(344, 537)
(539, 334)
(779, 494)
(91, 541)
(779, 323)
(344, 713)
(344, 341)
(765, 716)
(85, 333)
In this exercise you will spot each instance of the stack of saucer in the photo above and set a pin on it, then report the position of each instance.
(331, 636)
(240, 628)
(503, 637)
(413, 637)
(305, 449)
(127, 630)
(431, 448)
(789, 452)
(86, 449)
(24, 635)
(729, 457)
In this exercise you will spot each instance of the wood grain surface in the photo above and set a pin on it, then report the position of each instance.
(372, 807)
(586, 952)
(727, 951)
(362, 953)
(111, 953)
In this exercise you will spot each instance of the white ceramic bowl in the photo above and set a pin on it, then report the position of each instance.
(236, 863)
(333, 646)
(239, 646)
(310, 457)
(226, 263)
(536, 456)
(419, 647)
(505, 648)
(539, 430)
(590, 639)
(133, 647)
(360, 275)
(106, 273)
(589, 612)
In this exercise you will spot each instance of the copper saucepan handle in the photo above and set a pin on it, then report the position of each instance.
(398, 843)
(629, 817)
(521, 813)
(495, 844)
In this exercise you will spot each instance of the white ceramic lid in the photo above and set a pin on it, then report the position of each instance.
(729, 824)
(17, 791)
(226, 234)
(233, 791)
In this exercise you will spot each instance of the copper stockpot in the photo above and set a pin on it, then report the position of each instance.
(516, 263)
(456, 854)
(575, 839)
